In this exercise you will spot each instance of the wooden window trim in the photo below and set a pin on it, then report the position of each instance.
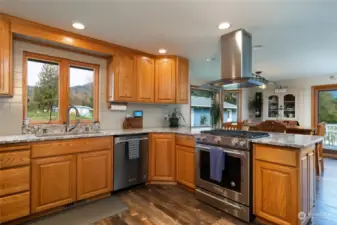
(314, 101)
(64, 68)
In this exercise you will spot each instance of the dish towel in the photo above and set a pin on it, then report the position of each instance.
(133, 149)
(217, 162)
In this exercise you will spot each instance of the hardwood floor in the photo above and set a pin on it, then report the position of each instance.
(170, 204)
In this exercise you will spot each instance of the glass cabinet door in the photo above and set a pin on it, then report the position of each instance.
(289, 106)
(273, 106)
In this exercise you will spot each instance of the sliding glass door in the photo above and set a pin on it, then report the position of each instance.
(326, 112)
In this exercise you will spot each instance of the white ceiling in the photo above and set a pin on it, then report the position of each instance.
(299, 36)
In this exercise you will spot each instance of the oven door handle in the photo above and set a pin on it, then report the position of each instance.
(224, 150)
(223, 201)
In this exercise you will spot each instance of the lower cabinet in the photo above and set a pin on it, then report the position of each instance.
(284, 184)
(276, 193)
(53, 182)
(14, 206)
(185, 166)
(94, 173)
(162, 157)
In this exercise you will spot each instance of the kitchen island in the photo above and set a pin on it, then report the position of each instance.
(284, 179)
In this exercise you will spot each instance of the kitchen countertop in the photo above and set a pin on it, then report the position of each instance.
(32, 138)
(289, 140)
(278, 139)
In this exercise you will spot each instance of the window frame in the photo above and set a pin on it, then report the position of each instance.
(194, 87)
(239, 111)
(64, 89)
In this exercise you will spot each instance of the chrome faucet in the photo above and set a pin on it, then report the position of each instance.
(68, 127)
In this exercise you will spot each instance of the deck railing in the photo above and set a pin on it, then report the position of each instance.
(330, 139)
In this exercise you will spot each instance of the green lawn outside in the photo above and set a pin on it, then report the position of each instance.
(35, 115)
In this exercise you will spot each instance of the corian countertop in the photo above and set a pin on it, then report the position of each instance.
(289, 140)
(278, 139)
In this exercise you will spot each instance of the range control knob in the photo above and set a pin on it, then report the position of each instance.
(235, 141)
(201, 138)
(242, 143)
(217, 140)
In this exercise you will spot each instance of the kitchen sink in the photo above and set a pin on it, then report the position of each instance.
(65, 134)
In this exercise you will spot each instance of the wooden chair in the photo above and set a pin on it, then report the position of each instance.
(319, 150)
(272, 126)
(231, 126)
(227, 126)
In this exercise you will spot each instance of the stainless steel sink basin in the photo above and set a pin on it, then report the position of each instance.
(64, 134)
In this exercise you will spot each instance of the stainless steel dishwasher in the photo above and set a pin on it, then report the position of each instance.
(130, 160)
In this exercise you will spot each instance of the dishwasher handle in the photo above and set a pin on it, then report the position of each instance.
(118, 140)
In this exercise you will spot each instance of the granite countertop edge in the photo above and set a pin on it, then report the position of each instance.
(27, 138)
(275, 139)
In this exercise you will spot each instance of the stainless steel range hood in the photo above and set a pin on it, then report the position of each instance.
(236, 63)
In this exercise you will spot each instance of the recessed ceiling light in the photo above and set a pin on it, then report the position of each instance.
(224, 25)
(162, 51)
(78, 26)
(208, 59)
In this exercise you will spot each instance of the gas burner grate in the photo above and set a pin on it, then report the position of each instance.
(236, 133)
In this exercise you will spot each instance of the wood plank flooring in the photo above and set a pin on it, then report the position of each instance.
(170, 204)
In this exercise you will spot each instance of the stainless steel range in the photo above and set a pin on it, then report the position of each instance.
(233, 193)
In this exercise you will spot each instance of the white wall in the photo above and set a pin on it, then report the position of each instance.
(11, 108)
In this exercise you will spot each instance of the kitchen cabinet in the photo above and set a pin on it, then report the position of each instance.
(282, 106)
(145, 79)
(6, 80)
(182, 80)
(14, 181)
(185, 166)
(162, 157)
(94, 173)
(165, 80)
(53, 182)
(124, 80)
(284, 184)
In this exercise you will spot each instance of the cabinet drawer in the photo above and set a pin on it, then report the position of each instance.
(274, 154)
(15, 158)
(14, 206)
(14, 147)
(185, 140)
(14, 180)
(56, 148)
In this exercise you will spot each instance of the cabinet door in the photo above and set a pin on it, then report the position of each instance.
(276, 192)
(53, 182)
(182, 86)
(312, 180)
(185, 166)
(162, 157)
(125, 78)
(6, 88)
(94, 173)
(165, 78)
(145, 79)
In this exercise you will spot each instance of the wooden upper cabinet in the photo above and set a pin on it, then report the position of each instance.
(165, 80)
(6, 88)
(53, 182)
(182, 81)
(94, 173)
(162, 157)
(145, 79)
(124, 79)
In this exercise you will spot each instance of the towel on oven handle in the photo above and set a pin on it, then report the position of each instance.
(217, 163)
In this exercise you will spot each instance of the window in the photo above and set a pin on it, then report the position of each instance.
(42, 90)
(232, 106)
(201, 102)
(52, 84)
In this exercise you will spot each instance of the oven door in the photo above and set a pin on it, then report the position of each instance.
(235, 183)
